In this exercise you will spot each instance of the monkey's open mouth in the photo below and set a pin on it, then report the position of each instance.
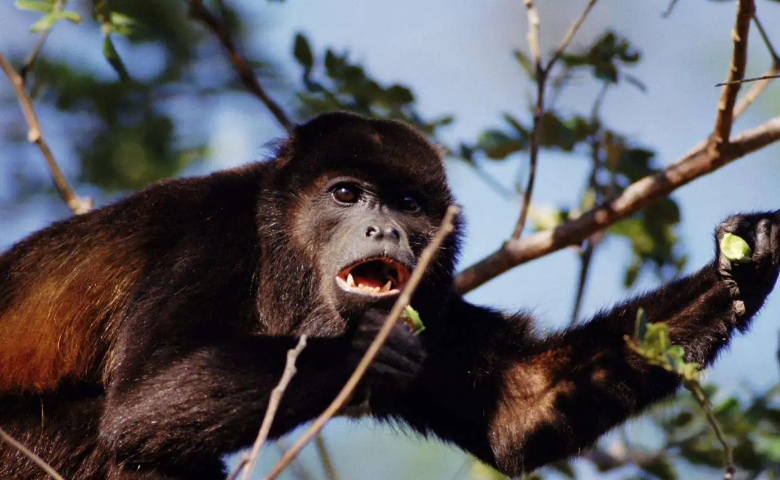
(374, 276)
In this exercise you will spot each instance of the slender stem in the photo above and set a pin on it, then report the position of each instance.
(199, 12)
(694, 387)
(346, 392)
(570, 35)
(739, 36)
(325, 458)
(746, 80)
(29, 454)
(273, 405)
(34, 135)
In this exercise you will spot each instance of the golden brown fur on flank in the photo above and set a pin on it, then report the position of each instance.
(58, 307)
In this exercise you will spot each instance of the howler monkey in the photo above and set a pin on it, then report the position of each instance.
(142, 340)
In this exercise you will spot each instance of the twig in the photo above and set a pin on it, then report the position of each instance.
(756, 90)
(746, 80)
(698, 394)
(761, 85)
(532, 37)
(569, 35)
(346, 392)
(533, 149)
(199, 12)
(728, 97)
(30, 60)
(248, 463)
(74, 202)
(325, 459)
(29, 454)
(541, 75)
(698, 162)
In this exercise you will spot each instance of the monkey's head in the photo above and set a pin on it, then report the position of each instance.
(357, 201)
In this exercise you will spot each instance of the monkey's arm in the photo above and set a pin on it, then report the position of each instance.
(185, 405)
(519, 402)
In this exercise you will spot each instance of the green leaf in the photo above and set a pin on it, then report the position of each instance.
(413, 320)
(498, 145)
(524, 62)
(302, 52)
(44, 23)
(113, 58)
(72, 17)
(35, 5)
(735, 248)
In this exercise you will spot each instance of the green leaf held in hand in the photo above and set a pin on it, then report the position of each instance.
(735, 248)
(412, 319)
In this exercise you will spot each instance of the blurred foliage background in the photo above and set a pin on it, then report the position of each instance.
(133, 91)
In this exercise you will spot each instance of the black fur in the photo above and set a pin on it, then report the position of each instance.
(199, 286)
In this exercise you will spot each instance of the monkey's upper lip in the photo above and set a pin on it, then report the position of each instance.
(376, 276)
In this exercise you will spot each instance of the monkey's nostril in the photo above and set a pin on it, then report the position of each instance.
(371, 231)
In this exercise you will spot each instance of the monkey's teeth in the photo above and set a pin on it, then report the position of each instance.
(387, 286)
(350, 280)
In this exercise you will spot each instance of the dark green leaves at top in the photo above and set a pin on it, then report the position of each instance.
(302, 52)
(607, 54)
(334, 82)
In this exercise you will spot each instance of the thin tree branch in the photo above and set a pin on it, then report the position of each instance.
(325, 458)
(569, 35)
(30, 60)
(248, 463)
(747, 80)
(756, 90)
(541, 75)
(199, 12)
(759, 87)
(767, 41)
(29, 454)
(698, 162)
(725, 117)
(400, 304)
(76, 204)
(698, 393)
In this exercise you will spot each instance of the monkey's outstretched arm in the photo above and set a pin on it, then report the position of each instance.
(519, 402)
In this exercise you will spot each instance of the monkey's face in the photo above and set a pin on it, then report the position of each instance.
(365, 232)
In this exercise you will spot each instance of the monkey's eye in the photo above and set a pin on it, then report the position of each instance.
(408, 204)
(346, 193)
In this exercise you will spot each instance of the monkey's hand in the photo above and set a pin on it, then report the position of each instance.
(750, 281)
(401, 356)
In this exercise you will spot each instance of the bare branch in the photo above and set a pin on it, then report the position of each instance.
(570, 35)
(698, 162)
(248, 463)
(74, 202)
(533, 32)
(346, 392)
(325, 459)
(725, 118)
(541, 74)
(29, 454)
(199, 12)
(756, 90)
(746, 80)
(767, 42)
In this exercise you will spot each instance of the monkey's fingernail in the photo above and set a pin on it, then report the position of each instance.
(739, 307)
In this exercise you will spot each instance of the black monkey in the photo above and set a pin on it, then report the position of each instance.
(141, 341)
